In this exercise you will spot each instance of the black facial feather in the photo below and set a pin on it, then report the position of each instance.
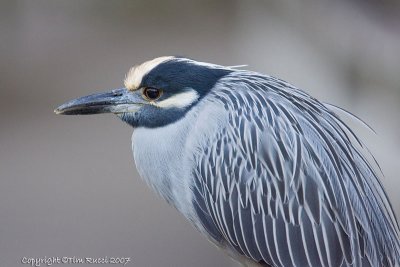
(173, 77)
(176, 75)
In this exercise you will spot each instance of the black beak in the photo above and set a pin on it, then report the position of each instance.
(116, 101)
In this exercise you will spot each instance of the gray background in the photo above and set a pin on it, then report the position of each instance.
(68, 185)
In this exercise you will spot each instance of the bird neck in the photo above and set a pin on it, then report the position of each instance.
(159, 158)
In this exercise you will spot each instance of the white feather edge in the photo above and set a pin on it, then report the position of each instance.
(237, 66)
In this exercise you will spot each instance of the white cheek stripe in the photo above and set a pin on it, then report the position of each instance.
(180, 100)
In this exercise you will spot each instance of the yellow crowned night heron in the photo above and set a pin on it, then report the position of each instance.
(260, 167)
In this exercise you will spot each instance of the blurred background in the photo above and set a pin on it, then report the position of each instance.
(68, 185)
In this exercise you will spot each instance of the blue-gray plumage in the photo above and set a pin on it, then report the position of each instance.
(260, 167)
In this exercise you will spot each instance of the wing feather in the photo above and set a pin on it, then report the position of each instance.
(285, 181)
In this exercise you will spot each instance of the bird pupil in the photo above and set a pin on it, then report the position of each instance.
(152, 93)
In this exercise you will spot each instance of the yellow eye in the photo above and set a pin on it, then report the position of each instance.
(152, 94)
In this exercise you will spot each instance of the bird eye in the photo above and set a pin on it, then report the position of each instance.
(152, 93)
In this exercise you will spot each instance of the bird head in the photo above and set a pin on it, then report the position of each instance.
(156, 93)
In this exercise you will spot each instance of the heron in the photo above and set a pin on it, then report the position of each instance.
(265, 171)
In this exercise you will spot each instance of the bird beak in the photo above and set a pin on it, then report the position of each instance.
(116, 101)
